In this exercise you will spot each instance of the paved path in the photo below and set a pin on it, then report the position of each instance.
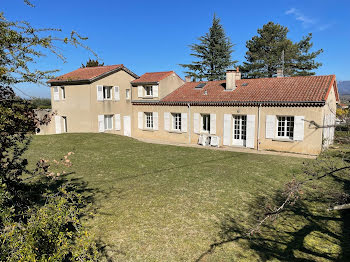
(229, 148)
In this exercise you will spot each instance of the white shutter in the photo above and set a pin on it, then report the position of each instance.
(212, 124)
(101, 127)
(183, 122)
(155, 120)
(166, 121)
(140, 120)
(58, 124)
(140, 91)
(196, 123)
(298, 128)
(99, 93)
(116, 93)
(250, 131)
(155, 91)
(270, 126)
(56, 94)
(117, 121)
(227, 129)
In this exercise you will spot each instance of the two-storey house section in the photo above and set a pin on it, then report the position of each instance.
(93, 99)
(149, 89)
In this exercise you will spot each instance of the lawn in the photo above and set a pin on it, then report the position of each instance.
(168, 203)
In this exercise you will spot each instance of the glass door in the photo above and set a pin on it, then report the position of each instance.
(239, 130)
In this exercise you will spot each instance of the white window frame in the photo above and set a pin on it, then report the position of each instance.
(63, 92)
(148, 91)
(176, 122)
(105, 92)
(108, 125)
(127, 94)
(207, 128)
(149, 123)
(285, 120)
(64, 120)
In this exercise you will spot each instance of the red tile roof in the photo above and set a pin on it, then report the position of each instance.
(152, 77)
(87, 73)
(284, 89)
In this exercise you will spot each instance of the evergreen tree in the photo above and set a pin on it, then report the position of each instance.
(213, 54)
(91, 63)
(272, 50)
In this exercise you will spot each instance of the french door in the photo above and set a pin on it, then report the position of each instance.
(239, 130)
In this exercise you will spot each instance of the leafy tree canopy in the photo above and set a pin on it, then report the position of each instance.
(213, 54)
(271, 49)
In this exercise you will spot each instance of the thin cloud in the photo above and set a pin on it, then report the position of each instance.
(324, 27)
(305, 20)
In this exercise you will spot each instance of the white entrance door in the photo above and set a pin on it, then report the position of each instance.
(239, 130)
(127, 125)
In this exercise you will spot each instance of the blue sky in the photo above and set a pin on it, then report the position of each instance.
(149, 36)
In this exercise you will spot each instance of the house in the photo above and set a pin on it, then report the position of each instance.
(290, 114)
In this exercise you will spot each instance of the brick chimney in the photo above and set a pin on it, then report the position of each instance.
(280, 72)
(187, 78)
(231, 77)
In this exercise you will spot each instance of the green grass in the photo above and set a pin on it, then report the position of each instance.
(167, 203)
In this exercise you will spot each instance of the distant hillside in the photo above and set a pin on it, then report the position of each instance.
(344, 87)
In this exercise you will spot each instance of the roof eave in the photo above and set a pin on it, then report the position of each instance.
(144, 83)
(91, 80)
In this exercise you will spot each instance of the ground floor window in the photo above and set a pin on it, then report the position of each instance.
(240, 127)
(285, 127)
(176, 121)
(108, 122)
(149, 120)
(64, 118)
(205, 122)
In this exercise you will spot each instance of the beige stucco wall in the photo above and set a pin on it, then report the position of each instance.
(82, 108)
(169, 84)
(310, 145)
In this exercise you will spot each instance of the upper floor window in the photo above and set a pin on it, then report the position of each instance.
(149, 120)
(149, 90)
(176, 121)
(127, 94)
(205, 122)
(285, 127)
(63, 92)
(107, 92)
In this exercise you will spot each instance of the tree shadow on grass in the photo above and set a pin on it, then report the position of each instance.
(304, 232)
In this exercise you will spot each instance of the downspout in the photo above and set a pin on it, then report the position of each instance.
(257, 139)
(189, 123)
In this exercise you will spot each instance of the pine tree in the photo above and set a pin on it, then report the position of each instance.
(213, 54)
(91, 63)
(271, 49)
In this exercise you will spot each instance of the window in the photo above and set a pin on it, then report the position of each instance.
(127, 94)
(63, 91)
(285, 127)
(64, 118)
(149, 90)
(205, 123)
(176, 121)
(149, 120)
(107, 92)
(108, 122)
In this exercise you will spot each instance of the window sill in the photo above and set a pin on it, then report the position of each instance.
(283, 140)
(176, 131)
(148, 129)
